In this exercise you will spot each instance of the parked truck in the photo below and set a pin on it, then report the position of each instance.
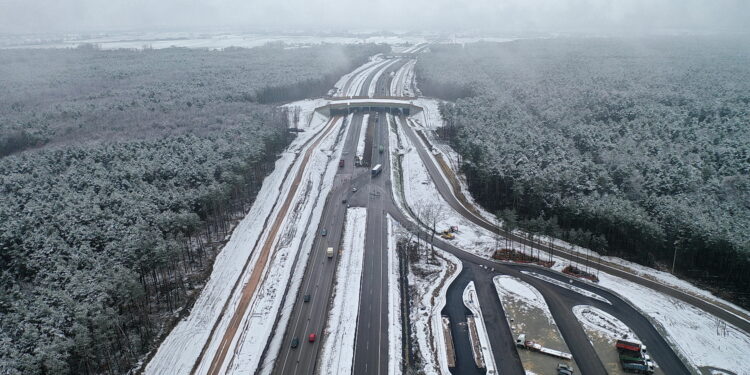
(329, 252)
(631, 345)
(637, 368)
(633, 357)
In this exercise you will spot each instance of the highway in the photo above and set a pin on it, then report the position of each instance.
(309, 317)
(371, 342)
(371, 338)
(727, 313)
(308, 306)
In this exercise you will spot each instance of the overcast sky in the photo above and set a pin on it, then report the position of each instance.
(24, 16)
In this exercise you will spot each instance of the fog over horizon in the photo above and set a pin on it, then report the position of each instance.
(511, 16)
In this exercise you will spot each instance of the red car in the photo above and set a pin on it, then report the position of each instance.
(311, 338)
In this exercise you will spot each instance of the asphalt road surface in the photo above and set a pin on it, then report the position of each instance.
(310, 317)
(371, 343)
(445, 192)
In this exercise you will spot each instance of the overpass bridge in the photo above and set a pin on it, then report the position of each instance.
(356, 104)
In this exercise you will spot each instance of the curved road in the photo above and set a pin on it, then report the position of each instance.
(372, 329)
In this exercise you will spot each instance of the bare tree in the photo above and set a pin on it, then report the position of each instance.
(430, 214)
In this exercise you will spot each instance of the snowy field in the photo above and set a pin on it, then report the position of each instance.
(337, 356)
(472, 303)
(180, 350)
(211, 40)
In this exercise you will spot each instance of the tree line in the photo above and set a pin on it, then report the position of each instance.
(637, 148)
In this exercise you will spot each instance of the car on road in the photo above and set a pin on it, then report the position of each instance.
(323, 232)
(306, 298)
(343, 201)
(295, 343)
(354, 190)
(311, 338)
(563, 369)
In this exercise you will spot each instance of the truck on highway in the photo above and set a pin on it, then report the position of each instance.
(329, 252)
(376, 170)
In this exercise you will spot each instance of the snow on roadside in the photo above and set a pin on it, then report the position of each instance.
(358, 82)
(258, 324)
(602, 322)
(509, 287)
(680, 327)
(430, 119)
(701, 337)
(337, 356)
(376, 77)
(362, 135)
(400, 81)
(341, 84)
(472, 303)
(395, 354)
(422, 196)
(181, 348)
(428, 285)
(568, 286)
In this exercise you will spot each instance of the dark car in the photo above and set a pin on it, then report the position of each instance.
(295, 342)
(323, 232)
(343, 201)
(306, 298)
(563, 369)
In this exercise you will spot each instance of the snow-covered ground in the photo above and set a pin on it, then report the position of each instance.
(395, 354)
(424, 201)
(605, 324)
(402, 81)
(376, 77)
(211, 40)
(429, 281)
(296, 237)
(337, 356)
(362, 135)
(568, 286)
(509, 287)
(472, 303)
(180, 350)
(355, 89)
(701, 337)
(342, 86)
